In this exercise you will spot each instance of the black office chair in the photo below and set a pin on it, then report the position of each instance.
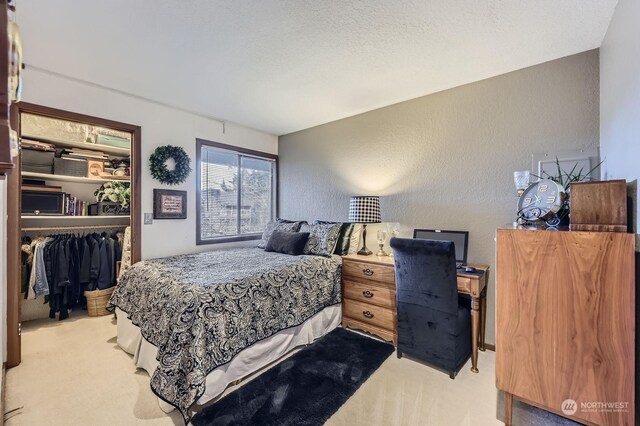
(434, 326)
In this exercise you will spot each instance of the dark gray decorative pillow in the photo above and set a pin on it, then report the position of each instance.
(344, 238)
(287, 242)
(275, 226)
(322, 238)
(282, 220)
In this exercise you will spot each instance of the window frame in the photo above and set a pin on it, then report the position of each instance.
(240, 151)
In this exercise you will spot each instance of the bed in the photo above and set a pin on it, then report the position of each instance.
(199, 322)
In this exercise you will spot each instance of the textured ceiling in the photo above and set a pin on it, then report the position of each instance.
(282, 66)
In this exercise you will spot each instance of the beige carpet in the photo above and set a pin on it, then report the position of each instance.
(73, 373)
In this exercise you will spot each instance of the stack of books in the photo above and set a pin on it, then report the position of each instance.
(74, 206)
(83, 154)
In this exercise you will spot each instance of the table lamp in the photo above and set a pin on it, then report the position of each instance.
(364, 209)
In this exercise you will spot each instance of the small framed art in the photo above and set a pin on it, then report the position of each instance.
(169, 204)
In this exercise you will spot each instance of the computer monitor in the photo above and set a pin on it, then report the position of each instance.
(460, 240)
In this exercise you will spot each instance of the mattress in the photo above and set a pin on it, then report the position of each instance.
(250, 360)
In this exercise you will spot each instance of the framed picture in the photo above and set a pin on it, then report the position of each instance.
(169, 204)
(95, 168)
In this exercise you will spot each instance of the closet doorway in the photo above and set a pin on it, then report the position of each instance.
(51, 191)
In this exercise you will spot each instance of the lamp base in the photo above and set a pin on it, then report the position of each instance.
(364, 251)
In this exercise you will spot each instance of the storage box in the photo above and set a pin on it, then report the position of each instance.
(37, 161)
(70, 167)
(599, 206)
(110, 140)
(42, 202)
(107, 208)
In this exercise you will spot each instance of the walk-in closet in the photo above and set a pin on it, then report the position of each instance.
(73, 199)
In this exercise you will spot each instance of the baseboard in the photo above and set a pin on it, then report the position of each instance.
(490, 347)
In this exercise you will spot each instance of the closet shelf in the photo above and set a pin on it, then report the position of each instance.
(107, 149)
(74, 218)
(64, 178)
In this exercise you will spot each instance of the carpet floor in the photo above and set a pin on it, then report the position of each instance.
(73, 373)
(305, 389)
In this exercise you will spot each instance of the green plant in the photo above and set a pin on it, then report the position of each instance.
(117, 192)
(565, 178)
(158, 164)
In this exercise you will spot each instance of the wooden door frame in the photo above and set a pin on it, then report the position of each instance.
(13, 211)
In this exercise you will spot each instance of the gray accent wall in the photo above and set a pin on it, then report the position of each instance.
(620, 99)
(445, 160)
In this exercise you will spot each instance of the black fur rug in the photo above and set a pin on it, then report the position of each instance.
(306, 388)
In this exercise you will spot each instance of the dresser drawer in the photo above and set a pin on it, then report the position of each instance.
(370, 294)
(368, 271)
(464, 285)
(369, 314)
(387, 335)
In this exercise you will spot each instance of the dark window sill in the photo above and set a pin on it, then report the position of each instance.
(231, 239)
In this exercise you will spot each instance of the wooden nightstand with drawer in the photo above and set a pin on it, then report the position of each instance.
(369, 295)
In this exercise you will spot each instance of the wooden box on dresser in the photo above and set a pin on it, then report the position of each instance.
(369, 295)
(565, 323)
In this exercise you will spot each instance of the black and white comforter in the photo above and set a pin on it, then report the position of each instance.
(200, 310)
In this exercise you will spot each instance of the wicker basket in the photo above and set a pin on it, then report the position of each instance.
(97, 302)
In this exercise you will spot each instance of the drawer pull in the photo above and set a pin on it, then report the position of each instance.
(367, 293)
(367, 314)
(367, 271)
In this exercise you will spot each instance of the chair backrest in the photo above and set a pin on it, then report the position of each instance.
(426, 273)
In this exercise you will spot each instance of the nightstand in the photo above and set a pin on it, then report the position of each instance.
(369, 295)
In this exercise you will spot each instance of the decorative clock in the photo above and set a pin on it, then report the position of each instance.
(541, 200)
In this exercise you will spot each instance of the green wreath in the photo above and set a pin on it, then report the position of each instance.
(158, 166)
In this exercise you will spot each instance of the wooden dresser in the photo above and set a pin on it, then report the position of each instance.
(369, 295)
(565, 323)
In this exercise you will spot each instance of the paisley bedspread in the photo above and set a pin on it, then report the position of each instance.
(200, 310)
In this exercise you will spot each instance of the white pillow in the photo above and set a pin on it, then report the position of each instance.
(354, 241)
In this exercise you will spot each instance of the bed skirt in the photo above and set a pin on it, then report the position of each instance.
(245, 363)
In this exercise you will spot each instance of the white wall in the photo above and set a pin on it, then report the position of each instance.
(620, 97)
(161, 125)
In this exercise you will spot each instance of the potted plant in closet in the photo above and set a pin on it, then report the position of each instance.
(113, 198)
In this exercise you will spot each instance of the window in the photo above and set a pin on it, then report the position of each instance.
(236, 192)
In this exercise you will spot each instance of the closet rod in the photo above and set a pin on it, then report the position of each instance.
(73, 228)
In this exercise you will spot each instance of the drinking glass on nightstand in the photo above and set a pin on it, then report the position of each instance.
(382, 237)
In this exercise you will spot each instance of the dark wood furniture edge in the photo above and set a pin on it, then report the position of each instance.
(6, 162)
(14, 348)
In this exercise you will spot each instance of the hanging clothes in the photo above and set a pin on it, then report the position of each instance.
(62, 267)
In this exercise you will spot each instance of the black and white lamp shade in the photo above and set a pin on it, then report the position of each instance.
(364, 209)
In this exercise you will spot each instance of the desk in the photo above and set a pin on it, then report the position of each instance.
(474, 284)
(368, 291)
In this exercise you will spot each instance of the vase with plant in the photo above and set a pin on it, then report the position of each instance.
(113, 198)
(565, 179)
